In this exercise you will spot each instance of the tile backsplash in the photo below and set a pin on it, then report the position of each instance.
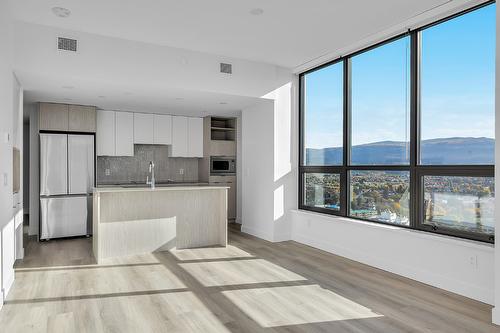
(127, 169)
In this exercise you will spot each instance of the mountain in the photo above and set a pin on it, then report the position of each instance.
(440, 151)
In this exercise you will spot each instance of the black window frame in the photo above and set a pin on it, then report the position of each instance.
(417, 171)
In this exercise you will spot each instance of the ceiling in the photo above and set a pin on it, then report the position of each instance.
(132, 98)
(288, 33)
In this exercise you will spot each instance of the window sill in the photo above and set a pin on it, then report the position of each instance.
(477, 245)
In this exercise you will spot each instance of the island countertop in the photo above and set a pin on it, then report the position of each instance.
(135, 220)
(158, 188)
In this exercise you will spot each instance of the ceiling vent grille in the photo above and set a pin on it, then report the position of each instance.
(66, 44)
(226, 68)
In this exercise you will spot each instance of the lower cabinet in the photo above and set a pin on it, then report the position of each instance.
(229, 181)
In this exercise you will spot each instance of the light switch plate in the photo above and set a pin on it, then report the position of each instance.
(6, 137)
(5, 179)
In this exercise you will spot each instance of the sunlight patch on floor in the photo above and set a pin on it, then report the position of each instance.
(224, 273)
(170, 312)
(280, 306)
(208, 253)
(93, 281)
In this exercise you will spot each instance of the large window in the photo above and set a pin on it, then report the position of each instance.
(403, 132)
(323, 116)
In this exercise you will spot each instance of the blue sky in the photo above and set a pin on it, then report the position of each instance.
(457, 87)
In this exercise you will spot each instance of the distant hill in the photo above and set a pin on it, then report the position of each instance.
(435, 151)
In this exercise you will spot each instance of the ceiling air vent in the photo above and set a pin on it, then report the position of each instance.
(226, 68)
(66, 44)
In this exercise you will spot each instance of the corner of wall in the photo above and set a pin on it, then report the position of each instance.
(495, 314)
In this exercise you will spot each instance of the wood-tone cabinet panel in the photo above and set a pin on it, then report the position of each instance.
(105, 136)
(195, 137)
(53, 117)
(229, 181)
(162, 129)
(82, 118)
(222, 148)
(143, 128)
(124, 137)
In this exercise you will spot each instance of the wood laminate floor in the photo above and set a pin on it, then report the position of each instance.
(251, 286)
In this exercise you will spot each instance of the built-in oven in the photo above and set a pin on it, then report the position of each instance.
(221, 165)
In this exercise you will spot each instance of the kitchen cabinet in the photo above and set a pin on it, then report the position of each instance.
(105, 136)
(81, 118)
(162, 129)
(179, 146)
(115, 133)
(124, 135)
(53, 117)
(195, 137)
(230, 182)
(143, 128)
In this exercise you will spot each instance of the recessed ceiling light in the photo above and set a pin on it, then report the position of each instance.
(257, 11)
(179, 98)
(68, 87)
(223, 103)
(101, 96)
(128, 93)
(68, 99)
(61, 11)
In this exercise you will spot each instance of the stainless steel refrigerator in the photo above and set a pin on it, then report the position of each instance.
(66, 182)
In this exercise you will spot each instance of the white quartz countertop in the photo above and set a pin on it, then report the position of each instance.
(165, 188)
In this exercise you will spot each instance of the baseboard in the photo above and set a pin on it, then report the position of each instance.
(257, 233)
(495, 315)
(430, 278)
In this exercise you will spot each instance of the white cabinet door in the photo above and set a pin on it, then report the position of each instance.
(143, 128)
(105, 135)
(162, 129)
(124, 137)
(195, 137)
(179, 137)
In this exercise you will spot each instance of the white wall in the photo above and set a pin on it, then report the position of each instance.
(440, 261)
(10, 135)
(496, 309)
(269, 164)
(114, 61)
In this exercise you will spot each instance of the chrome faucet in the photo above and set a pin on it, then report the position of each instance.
(152, 172)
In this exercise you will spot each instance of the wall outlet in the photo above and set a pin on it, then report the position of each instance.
(107, 172)
(473, 261)
(181, 171)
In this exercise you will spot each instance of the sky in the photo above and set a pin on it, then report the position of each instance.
(457, 87)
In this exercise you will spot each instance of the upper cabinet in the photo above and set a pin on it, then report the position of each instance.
(195, 137)
(179, 137)
(187, 137)
(53, 117)
(105, 137)
(67, 118)
(162, 129)
(124, 136)
(115, 133)
(143, 128)
(81, 118)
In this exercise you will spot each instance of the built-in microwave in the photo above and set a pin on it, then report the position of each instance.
(220, 165)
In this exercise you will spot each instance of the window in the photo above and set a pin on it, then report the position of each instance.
(402, 132)
(381, 196)
(323, 113)
(322, 190)
(461, 203)
(457, 71)
(380, 108)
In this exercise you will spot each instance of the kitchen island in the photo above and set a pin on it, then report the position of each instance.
(129, 221)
